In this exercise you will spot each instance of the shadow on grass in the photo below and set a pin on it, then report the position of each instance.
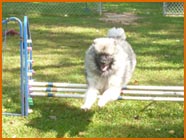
(61, 117)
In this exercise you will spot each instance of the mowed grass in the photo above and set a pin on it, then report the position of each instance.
(59, 45)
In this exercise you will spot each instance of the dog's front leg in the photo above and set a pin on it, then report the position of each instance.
(110, 94)
(90, 98)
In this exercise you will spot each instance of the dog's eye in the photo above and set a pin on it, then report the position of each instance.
(108, 56)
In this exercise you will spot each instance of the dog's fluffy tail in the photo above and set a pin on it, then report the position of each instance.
(117, 33)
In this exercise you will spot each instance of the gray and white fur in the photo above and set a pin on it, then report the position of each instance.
(109, 64)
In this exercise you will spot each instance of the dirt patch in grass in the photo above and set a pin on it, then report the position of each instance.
(126, 18)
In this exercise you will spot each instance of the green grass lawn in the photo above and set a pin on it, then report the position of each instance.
(59, 45)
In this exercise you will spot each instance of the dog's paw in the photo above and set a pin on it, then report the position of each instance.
(102, 102)
(85, 108)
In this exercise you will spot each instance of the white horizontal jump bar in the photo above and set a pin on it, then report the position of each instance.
(52, 84)
(160, 93)
(45, 89)
(120, 98)
(132, 92)
(152, 98)
(57, 95)
(29, 41)
(75, 85)
(169, 88)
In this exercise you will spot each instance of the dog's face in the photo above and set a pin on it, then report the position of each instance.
(104, 61)
(104, 53)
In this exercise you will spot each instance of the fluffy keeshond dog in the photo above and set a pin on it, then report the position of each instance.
(109, 65)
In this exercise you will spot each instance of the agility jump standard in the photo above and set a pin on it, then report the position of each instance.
(30, 88)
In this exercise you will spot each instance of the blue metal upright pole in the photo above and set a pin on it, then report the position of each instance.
(21, 61)
(25, 34)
